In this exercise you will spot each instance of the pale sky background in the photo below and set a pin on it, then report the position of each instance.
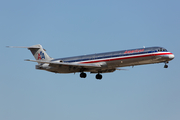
(77, 27)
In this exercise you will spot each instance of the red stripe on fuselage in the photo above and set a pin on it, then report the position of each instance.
(127, 57)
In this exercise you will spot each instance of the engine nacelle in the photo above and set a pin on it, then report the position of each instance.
(42, 66)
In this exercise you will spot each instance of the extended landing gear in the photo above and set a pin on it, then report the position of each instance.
(166, 66)
(99, 76)
(83, 75)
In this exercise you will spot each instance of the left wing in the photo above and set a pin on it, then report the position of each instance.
(67, 64)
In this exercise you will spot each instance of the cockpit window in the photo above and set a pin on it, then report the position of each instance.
(164, 50)
(161, 49)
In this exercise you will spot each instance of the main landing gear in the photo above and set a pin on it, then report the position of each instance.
(83, 75)
(98, 76)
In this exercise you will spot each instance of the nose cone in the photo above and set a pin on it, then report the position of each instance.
(171, 56)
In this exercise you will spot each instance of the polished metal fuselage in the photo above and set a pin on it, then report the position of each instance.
(110, 61)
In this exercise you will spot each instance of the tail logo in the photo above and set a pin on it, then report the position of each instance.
(41, 55)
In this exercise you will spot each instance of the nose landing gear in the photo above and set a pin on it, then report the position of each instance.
(166, 66)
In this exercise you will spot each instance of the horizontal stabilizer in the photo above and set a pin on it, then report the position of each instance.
(21, 47)
(31, 47)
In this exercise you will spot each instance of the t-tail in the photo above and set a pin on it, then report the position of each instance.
(37, 51)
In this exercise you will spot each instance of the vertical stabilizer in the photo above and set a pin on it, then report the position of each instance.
(39, 53)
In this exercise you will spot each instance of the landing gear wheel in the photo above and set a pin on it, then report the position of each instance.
(99, 76)
(83, 75)
(165, 66)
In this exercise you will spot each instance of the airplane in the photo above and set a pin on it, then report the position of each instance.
(98, 63)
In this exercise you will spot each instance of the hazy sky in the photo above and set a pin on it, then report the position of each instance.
(68, 28)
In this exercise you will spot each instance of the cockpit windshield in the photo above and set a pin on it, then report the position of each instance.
(162, 49)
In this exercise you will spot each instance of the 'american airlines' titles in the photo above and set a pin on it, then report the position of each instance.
(134, 51)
